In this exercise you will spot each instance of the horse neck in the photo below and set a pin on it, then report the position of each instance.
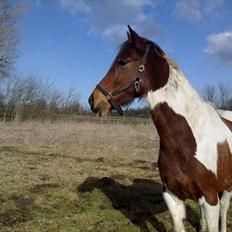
(179, 95)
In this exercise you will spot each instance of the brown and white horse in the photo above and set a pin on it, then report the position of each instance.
(195, 159)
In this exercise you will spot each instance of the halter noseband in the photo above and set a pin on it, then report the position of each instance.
(135, 83)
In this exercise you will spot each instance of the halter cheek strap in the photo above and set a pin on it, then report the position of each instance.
(136, 83)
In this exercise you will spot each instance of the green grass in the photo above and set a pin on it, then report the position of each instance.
(46, 188)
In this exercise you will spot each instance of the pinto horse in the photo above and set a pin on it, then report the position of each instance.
(195, 160)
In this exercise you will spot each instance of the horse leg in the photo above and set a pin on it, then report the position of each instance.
(203, 221)
(211, 213)
(225, 203)
(177, 210)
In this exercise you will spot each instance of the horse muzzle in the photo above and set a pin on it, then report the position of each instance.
(91, 104)
(99, 103)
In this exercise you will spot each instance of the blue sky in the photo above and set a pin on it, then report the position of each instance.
(73, 42)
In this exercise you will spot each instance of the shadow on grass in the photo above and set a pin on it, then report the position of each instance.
(139, 202)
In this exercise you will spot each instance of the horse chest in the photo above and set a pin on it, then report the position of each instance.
(176, 176)
(181, 172)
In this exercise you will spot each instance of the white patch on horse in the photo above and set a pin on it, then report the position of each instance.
(208, 128)
(226, 114)
(225, 203)
(177, 210)
(211, 214)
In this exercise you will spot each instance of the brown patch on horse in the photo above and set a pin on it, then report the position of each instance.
(224, 166)
(225, 160)
(157, 68)
(228, 123)
(180, 171)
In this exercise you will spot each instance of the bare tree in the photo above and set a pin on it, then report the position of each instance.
(209, 93)
(31, 97)
(9, 36)
(71, 102)
(220, 95)
(225, 96)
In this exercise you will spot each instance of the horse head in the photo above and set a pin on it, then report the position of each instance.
(140, 66)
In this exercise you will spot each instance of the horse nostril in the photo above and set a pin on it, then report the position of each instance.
(91, 103)
(91, 100)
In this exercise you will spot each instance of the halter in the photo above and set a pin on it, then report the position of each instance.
(136, 83)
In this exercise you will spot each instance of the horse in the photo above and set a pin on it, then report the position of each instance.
(226, 114)
(195, 160)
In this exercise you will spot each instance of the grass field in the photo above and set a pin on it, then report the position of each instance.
(83, 177)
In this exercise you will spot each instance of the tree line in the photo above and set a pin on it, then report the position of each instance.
(30, 97)
(219, 95)
(26, 97)
(9, 36)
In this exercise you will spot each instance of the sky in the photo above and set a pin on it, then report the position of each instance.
(72, 43)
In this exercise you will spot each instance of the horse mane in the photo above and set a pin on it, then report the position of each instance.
(172, 63)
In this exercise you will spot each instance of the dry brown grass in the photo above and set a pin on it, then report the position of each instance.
(85, 139)
(39, 157)
(68, 176)
(68, 151)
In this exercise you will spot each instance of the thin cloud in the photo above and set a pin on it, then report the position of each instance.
(38, 3)
(220, 48)
(75, 7)
(138, 3)
(212, 6)
(189, 10)
(109, 18)
(195, 11)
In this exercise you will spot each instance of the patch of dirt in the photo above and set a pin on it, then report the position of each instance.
(2, 200)
(154, 165)
(144, 167)
(138, 161)
(32, 168)
(118, 177)
(21, 214)
(44, 159)
(44, 177)
(77, 159)
(100, 159)
(39, 188)
(142, 164)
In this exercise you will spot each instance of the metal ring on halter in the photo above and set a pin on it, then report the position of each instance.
(110, 95)
(141, 68)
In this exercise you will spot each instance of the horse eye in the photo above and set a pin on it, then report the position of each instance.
(122, 62)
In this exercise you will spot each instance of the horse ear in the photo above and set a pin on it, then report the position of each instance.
(128, 35)
(133, 36)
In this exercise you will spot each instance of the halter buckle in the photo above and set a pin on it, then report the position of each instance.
(109, 96)
(137, 84)
(141, 68)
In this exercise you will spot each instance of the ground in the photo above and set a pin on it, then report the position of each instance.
(70, 176)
